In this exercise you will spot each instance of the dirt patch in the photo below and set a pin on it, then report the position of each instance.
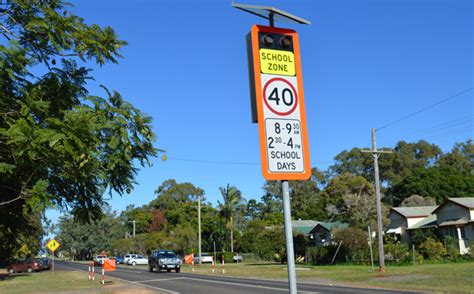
(122, 288)
(401, 278)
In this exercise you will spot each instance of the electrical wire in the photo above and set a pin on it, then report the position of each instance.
(439, 127)
(450, 133)
(424, 109)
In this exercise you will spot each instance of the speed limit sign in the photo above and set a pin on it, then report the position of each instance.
(278, 104)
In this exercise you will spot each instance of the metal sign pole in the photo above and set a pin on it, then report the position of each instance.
(290, 255)
(53, 263)
(370, 244)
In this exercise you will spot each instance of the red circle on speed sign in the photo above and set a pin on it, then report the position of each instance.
(289, 96)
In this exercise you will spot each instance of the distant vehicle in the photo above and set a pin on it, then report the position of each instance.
(23, 266)
(126, 257)
(119, 259)
(237, 258)
(206, 258)
(139, 259)
(100, 259)
(167, 260)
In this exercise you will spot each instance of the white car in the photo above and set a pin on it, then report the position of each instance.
(99, 259)
(139, 259)
(205, 258)
(126, 257)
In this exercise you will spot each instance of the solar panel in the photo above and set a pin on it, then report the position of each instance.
(271, 13)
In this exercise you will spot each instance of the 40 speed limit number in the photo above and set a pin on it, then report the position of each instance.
(283, 131)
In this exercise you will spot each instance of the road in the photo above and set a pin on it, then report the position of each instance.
(194, 283)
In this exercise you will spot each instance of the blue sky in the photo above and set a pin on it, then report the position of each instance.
(365, 64)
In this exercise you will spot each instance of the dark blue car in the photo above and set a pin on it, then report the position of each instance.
(119, 259)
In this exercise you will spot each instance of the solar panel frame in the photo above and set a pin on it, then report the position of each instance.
(269, 12)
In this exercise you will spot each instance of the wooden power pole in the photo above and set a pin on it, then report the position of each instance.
(376, 153)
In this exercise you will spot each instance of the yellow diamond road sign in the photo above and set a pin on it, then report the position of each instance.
(52, 245)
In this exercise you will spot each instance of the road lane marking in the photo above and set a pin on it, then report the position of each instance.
(131, 282)
(145, 285)
(156, 280)
(238, 284)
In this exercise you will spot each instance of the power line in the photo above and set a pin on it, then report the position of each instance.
(436, 128)
(426, 108)
(450, 133)
(233, 162)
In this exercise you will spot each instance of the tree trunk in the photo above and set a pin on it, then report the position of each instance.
(231, 234)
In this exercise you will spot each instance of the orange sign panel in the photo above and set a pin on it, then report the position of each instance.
(278, 102)
(110, 265)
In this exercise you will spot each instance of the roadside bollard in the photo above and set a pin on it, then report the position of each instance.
(192, 261)
(93, 271)
(103, 275)
(89, 275)
(213, 265)
(223, 268)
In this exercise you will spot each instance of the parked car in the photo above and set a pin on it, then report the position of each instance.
(23, 266)
(139, 259)
(119, 259)
(126, 257)
(44, 263)
(164, 261)
(162, 251)
(99, 259)
(237, 258)
(206, 258)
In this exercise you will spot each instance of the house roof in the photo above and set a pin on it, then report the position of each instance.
(415, 211)
(427, 222)
(303, 226)
(454, 222)
(333, 225)
(467, 202)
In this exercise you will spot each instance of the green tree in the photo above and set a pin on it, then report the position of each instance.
(304, 195)
(59, 146)
(460, 158)
(232, 205)
(417, 200)
(438, 182)
(350, 198)
(83, 240)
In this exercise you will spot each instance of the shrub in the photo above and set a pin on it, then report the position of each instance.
(432, 249)
(354, 244)
(228, 257)
(324, 254)
(452, 251)
(399, 251)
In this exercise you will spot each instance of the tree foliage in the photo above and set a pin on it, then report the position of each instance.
(60, 146)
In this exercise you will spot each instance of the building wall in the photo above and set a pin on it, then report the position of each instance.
(399, 221)
(472, 214)
(396, 220)
(452, 211)
(469, 229)
(413, 220)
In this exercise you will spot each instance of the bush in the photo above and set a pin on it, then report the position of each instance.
(354, 246)
(399, 251)
(432, 249)
(228, 257)
(324, 254)
(452, 251)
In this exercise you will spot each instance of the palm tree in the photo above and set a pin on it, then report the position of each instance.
(233, 201)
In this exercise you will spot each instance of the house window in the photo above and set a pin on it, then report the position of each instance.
(463, 233)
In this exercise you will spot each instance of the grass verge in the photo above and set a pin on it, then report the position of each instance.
(447, 277)
(48, 282)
